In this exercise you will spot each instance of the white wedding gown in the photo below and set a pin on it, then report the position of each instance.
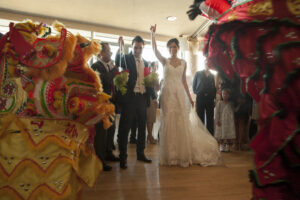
(184, 140)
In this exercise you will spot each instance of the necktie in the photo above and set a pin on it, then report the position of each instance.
(140, 76)
(108, 68)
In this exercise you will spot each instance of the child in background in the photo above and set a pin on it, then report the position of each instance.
(224, 117)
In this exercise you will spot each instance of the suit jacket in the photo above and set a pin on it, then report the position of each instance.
(204, 85)
(131, 66)
(105, 76)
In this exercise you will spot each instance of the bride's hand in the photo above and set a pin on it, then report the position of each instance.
(153, 28)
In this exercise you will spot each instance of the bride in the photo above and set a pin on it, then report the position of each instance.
(184, 140)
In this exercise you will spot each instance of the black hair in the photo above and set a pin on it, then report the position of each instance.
(138, 39)
(226, 89)
(173, 40)
(103, 46)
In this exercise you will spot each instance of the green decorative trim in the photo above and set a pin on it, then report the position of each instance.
(237, 33)
(296, 149)
(268, 69)
(211, 30)
(295, 166)
(235, 48)
(279, 48)
(231, 9)
(43, 100)
(277, 53)
(48, 32)
(11, 106)
(273, 31)
(281, 147)
(276, 113)
(256, 177)
(290, 77)
(80, 83)
(224, 28)
(64, 103)
(267, 122)
(259, 185)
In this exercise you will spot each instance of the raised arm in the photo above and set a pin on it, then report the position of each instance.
(185, 85)
(161, 59)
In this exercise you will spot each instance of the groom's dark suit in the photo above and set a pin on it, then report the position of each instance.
(132, 105)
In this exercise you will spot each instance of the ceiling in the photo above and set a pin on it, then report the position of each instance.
(131, 15)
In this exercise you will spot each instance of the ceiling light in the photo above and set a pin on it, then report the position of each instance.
(171, 18)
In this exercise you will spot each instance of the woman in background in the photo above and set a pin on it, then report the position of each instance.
(151, 111)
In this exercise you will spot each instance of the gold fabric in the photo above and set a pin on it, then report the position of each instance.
(294, 6)
(44, 159)
(261, 8)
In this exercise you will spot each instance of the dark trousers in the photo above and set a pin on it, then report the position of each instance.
(135, 109)
(205, 107)
(104, 140)
(133, 128)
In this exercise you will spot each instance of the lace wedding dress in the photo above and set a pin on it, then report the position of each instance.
(184, 140)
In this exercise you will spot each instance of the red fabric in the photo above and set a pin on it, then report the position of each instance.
(241, 12)
(76, 63)
(219, 5)
(273, 58)
(3, 41)
(21, 46)
(147, 71)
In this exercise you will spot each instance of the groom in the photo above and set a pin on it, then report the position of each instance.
(135, 102)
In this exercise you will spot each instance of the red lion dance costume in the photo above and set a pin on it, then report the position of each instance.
(260, 41)
(49, 102)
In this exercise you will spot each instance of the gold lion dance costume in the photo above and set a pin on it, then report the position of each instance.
(260, 41)
(49, 101)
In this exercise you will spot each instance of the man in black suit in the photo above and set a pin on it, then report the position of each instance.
(104, 139)
(134, 103)
(204, 88)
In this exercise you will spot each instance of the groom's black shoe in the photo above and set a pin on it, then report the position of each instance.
(112, 158)
(123, 164)
(144, 159)
(132, 141)
(106, 168)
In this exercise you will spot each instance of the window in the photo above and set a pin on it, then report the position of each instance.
(201, 63)
(86, 34)
(149, 55)
(112, 40)
(4, 25)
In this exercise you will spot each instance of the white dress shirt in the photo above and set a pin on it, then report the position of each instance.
(108, 66)
(139, 87)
